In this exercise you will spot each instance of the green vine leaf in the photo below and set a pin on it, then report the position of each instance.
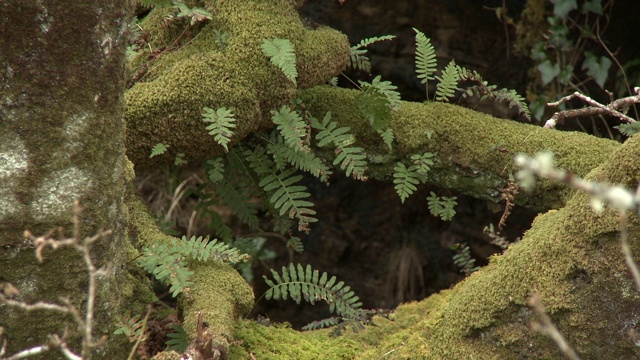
(282, 54)
(222, 123)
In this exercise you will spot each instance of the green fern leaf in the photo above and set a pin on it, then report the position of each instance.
(375, 107)
(422, 164)
(305, 161)
(239, 202)
(358, 58)
(158, 149)
(282, 54)
(387, 136)
(321, 324)
(514, 100)
(351, 159)
(292, 127)
(215, 170)
(222, 125)
(629, 129)
(442, 207)
(295, 243)
(426, 62)
(448, 82)
(285, 196)
(178, 339)
(405, 179)
(300, 282)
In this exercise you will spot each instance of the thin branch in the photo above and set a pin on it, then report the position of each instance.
(626, 250)
(547, 327)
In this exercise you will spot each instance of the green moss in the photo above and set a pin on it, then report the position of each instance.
(464, 142)
(281, 342)
(166, 107)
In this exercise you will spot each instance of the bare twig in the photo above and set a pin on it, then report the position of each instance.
(626, 250)
(547, 327)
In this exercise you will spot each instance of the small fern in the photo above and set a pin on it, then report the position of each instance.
(376, 101)
(222, 123)
(285, 196)
(215, 170)
(629, 129)
(178, 340)
(405, 179)
(321, 324)
(302, 160)
(292, 127)
(422, 163)
(388, 137)
(448, 83)
(282, 54)
(442, 207)
(158, 149)
(426, 62)
(350, 158)
(358, 58)
(239, 201)
(130, 327)
(464, 260)
(168, 262)
(305, 283)
(295, 243)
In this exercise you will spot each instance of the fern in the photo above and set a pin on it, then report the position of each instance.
(321, 324)
(305, 161)
(281, 53)
(292, 127)
(178, 339)
(464, 260)
(295, 243)
(426, 62)
(285, 196)
(388, 137)
(130, 327)
(405, 179)
(629, 129)
(158, 149)
(350, 158)
(422, 164)
(238, 200)
(448, 82)
(514, 100)
(215, 170)
(377, 100)
(442, 207)
(168, 262)
(358, 58)
(222, 125)
(305, 283)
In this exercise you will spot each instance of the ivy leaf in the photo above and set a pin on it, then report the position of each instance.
(561, 8)
(598, 69)
(594, 6)
(549, 71)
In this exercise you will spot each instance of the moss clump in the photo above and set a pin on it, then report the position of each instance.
(167, 105)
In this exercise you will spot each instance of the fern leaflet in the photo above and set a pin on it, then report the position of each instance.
(305, 161)
(158, 149)
(178, 340)
(422, 164)
(388, 137)
(292, 127)
(448, 83)
(321, 324)
(286, 197)
(405, 179)
(442, 207)
(281, 53)
(239, 202)
(629, 129)
(375, 107)
(305, 283)
(222, 125)
(295, 243)
(358, 58)
(215, 171)
(351, 159)
(426, 62)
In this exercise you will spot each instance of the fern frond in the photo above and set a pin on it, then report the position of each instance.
(388, 137)
(239, 202)
(292, 127)
(305, 283)
(158, 149)
(222, 125)
(295, 243)
(442, 207)
(426, 62)
(358, 58)
(305, 161)
(629, 129)
(177, 340)
(321, 324)
(448, 83)
(405, 179)
(282, 54)
(286, 197)
(514, 100)
(375, 107)
(215, 170)
(352, 159)
(422, 164)
(387, 89)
